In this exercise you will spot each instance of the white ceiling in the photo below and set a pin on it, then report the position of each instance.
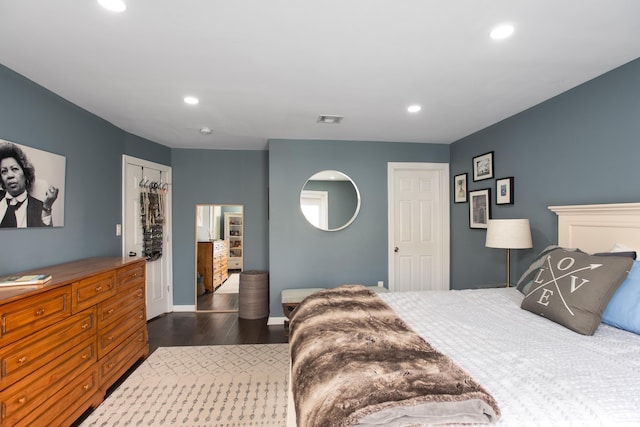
(267, 69)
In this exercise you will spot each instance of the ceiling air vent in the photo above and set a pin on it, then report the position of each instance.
(330, 119)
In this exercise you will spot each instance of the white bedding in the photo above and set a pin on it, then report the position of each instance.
(540, 373)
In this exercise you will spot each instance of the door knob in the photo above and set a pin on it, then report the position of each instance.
(131, 253)
(396, 249)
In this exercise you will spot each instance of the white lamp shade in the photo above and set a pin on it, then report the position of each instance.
(508, 234)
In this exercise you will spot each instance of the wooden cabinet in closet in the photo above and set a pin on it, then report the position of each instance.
(62, 345)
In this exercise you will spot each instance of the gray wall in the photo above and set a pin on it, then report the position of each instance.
(147, 150)
(217, 177)
(301, 256)
(581, 147)
(31, 115)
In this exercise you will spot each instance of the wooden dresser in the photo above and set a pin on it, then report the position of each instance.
(212, 263)
(62, 345)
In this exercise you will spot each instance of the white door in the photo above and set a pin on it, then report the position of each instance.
(159, 276)
(418, 226)
(315, 207)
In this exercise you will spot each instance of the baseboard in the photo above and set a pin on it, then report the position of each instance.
(192, 308)
(276, 320)
(184, 308)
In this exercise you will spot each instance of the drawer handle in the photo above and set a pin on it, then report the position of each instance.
(22, 359)
(140, 316)
(22, 400)
(110, 338)
(110, 311)
(140, 294)
(86, 386)
(85, 325)
(98, 288)
(40, 312)
(85, 356)
(111, 365)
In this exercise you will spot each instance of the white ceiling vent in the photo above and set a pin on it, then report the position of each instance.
(330, 119)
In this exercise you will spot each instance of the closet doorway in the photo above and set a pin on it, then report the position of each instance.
(219, 248)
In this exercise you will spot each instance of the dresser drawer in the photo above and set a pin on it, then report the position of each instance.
(110, 337)
(30, 393)
(92, 290)
(220, 266)
(81, 393)
(73, 400)
(118, 361)
(235, 264)
(24, 317)
(21, 358)
(121, 305)
(132, 275)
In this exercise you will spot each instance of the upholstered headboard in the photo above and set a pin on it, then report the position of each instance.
(598, 228)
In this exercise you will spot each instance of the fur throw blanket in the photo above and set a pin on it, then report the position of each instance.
(355, 362)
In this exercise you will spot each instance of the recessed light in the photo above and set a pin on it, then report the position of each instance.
(205, 130)
(191, 100)
(113, 5)
(414, 108)
(502, 32)
(330, 119)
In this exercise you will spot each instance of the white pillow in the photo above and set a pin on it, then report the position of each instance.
(619, 247)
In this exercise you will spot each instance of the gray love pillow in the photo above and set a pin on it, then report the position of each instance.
(574, 288)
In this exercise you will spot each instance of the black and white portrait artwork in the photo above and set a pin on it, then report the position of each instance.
(32, 187)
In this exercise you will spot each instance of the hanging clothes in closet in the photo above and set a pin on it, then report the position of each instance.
(152, 215)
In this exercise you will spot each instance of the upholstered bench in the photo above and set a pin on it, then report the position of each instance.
(292, 297)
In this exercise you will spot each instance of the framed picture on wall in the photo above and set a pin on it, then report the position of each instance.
(504, 191)
(460, 188)
(483, 166)
(479, 208)
(32, 190)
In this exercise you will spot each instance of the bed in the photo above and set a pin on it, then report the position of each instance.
(537, 371)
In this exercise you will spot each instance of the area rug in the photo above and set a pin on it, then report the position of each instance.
(224, 385)
(231, 285)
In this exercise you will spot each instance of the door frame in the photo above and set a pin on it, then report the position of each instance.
(322, 201)
(167, 256)
(443, 169)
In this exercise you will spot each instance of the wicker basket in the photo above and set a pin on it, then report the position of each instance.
(253, 295)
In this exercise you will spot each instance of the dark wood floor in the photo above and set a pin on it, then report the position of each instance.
(218, 302)
(184, 329)
(215, 301)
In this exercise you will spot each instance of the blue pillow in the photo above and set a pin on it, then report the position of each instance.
(623, 310)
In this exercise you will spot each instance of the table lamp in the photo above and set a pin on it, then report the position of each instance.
(508, 234)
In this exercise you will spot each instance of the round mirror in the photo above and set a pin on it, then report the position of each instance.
(330, 200)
